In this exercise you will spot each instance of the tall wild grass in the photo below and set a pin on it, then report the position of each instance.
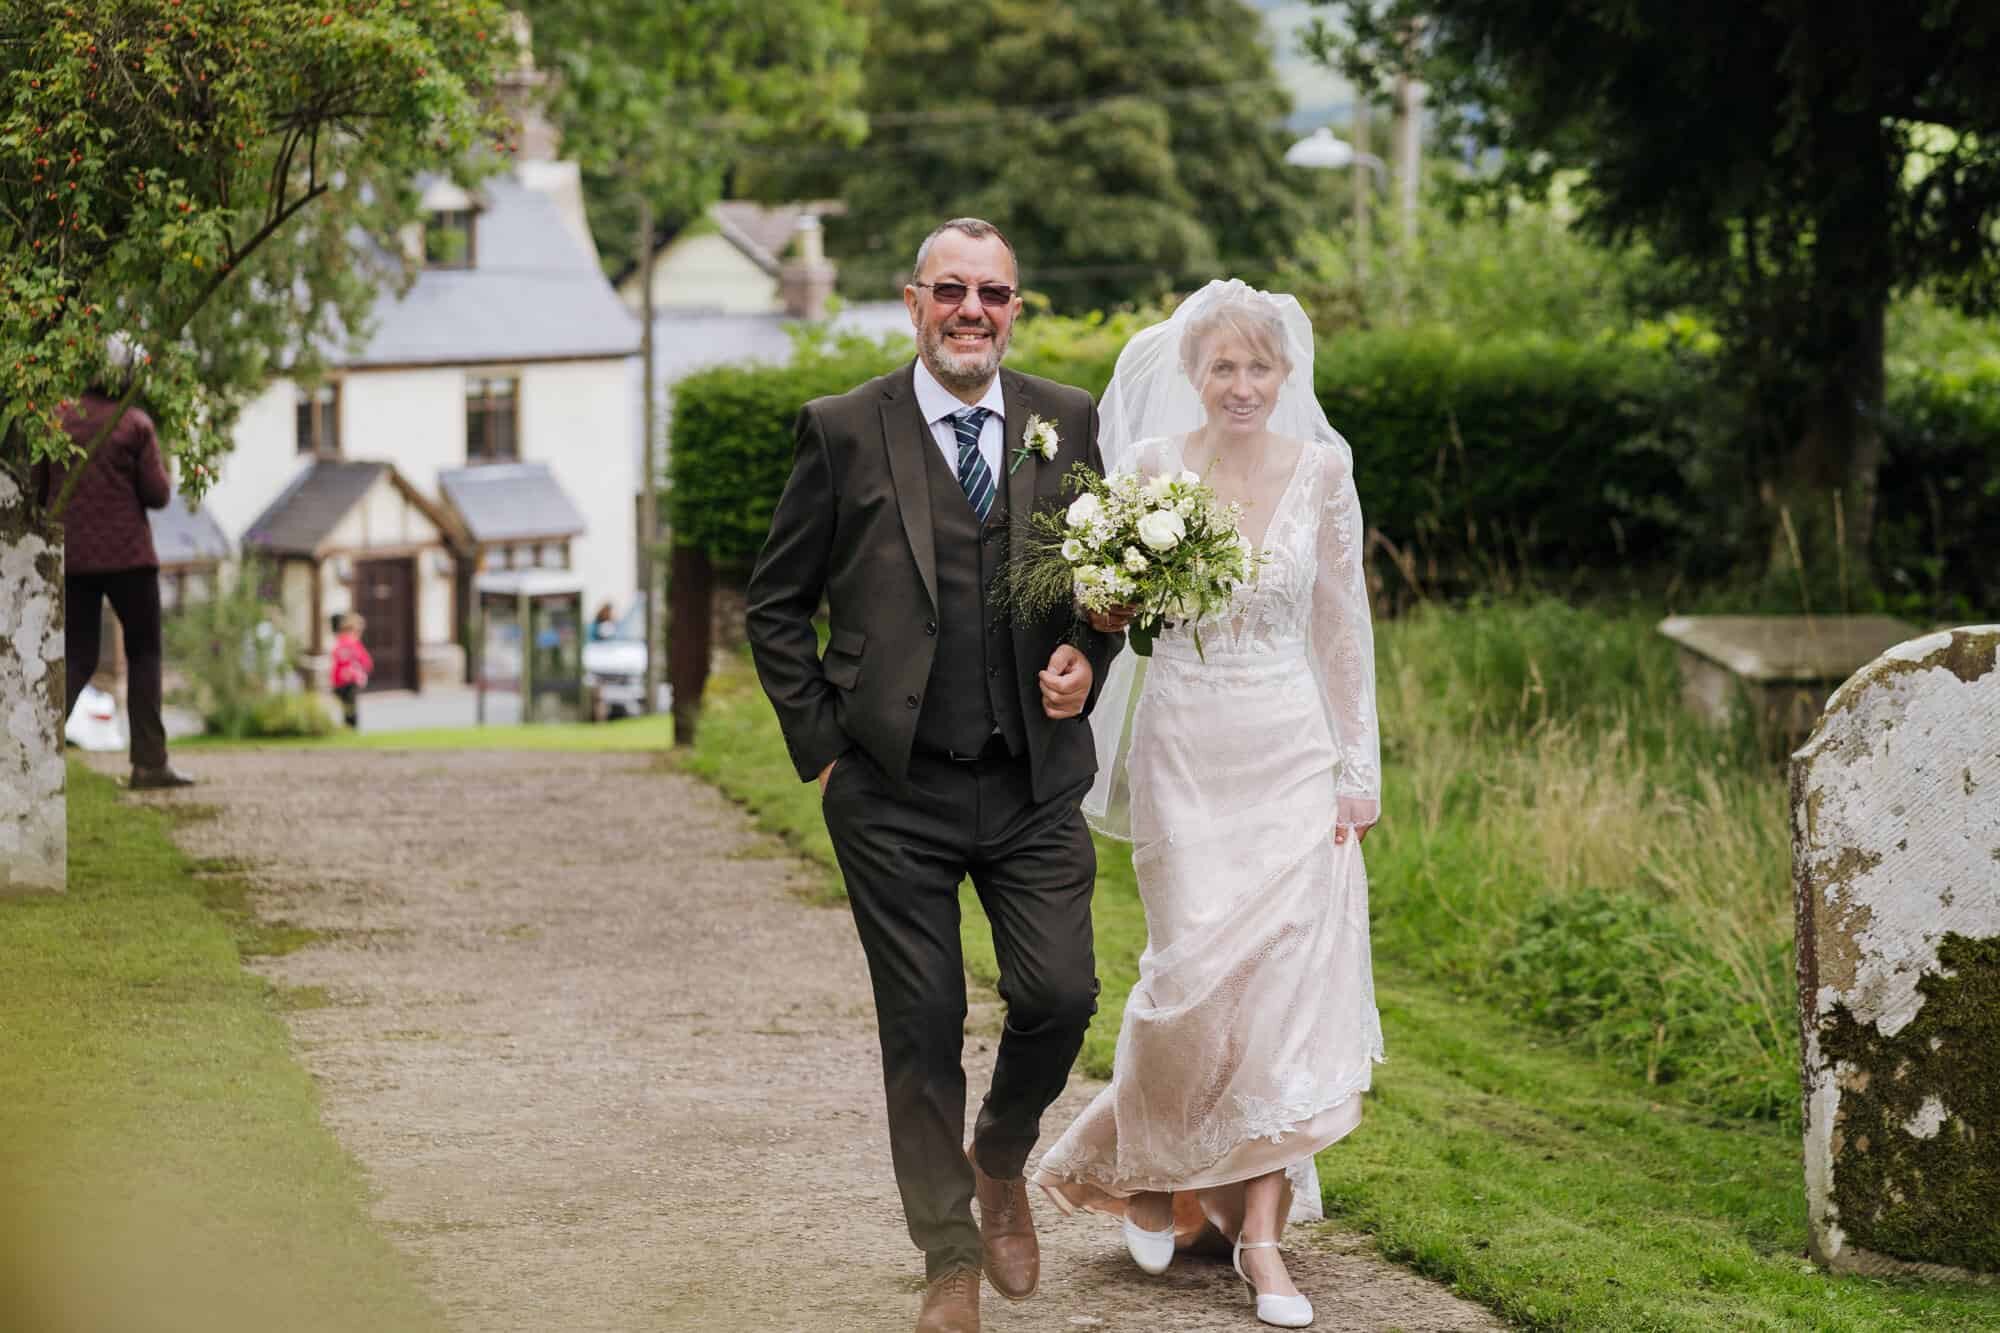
(1564, 842)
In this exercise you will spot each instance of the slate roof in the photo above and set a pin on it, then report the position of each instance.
(762, 232)
(186, 537)
(510, 502)
(533, 294)
(306, 512)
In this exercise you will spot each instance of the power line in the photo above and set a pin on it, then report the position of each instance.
(938, 127)
(1046, 109)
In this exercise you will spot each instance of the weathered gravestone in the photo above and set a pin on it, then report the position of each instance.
(1896, 869)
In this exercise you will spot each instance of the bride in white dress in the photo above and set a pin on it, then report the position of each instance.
(1245, 777)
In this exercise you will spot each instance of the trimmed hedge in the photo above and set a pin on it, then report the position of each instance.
(732, 441)
(1528, 453)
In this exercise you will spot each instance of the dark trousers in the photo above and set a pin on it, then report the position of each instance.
(135, 597)
(904, 849)
(350, 703)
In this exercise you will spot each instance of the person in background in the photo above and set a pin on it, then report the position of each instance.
(108, 554)
(604, 624)
(351, 665)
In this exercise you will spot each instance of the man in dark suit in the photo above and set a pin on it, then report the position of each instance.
(946, 739)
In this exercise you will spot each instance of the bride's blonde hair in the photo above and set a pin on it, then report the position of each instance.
(1246, 313)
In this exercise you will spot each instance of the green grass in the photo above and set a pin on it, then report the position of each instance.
(631, 735)
(1497, 1154)
(162, 1162)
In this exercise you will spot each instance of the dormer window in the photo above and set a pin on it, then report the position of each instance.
(448, 238)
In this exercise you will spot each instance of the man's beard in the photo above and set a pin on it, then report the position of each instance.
(961, 370)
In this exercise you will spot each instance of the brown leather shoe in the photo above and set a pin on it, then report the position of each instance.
(1007, 1234)
(951, 1304)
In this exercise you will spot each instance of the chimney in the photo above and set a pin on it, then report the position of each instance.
(806, 279)
(522, 90)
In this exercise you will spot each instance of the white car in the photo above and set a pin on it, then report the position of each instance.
(614, 661)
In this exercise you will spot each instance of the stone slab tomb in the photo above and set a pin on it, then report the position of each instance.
(1896, 870)
(1776, 670)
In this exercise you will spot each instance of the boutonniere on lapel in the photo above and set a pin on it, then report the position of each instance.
(1039, 438)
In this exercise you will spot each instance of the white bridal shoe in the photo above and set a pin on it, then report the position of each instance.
(1151, 1250)
(1277, 1311)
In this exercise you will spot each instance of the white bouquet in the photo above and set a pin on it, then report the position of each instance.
(1162, 544)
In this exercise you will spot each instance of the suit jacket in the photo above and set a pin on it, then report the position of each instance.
(854, 526)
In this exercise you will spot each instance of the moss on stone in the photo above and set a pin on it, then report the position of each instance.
(1968, 654)
(1933, 1199)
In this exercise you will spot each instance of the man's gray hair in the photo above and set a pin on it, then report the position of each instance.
(977, 228)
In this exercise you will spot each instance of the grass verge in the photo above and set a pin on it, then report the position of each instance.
(630, 735)
(162, 1162)
(1559, 1189)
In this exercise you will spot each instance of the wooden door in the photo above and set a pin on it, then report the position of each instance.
(385, 593)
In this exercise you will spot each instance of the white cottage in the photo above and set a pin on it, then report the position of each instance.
(512, 352)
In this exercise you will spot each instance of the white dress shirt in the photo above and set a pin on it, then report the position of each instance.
(940, 404)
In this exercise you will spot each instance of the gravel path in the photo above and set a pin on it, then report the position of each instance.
(606, 1070)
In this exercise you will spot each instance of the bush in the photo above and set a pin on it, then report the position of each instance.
(1939, 498)
(229, 650)
(1483, 275)
(299, 713)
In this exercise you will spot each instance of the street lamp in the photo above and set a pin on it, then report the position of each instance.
(1324, 150)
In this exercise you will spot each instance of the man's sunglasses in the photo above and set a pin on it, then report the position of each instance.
(992, 295)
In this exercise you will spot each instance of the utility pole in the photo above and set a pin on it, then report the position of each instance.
(1362, 185)
(649, 501)
(1408, 152)
(1408, 149)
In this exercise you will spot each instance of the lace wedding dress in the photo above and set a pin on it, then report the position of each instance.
(1249, 1036)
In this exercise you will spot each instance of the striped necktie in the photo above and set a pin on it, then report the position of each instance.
(973, 474)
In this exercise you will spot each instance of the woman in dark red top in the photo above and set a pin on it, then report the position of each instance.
(108, 553)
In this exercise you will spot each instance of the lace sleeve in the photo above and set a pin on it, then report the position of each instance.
(1343, 647)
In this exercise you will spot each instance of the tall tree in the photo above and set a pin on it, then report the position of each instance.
(1125, 146)
(191, 174)
(653, 98)
(1802, 161)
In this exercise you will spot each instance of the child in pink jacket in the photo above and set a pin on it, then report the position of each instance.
(351, 665)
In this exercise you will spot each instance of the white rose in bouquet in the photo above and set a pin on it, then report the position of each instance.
(1162, 529)
(1163, 545)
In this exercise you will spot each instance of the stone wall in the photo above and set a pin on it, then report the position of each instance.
(1896, 864)
(33, 814)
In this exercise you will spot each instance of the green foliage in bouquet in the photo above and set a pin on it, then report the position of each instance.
(1164, 545)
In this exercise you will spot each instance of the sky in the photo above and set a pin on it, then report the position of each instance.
(1319, 96)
